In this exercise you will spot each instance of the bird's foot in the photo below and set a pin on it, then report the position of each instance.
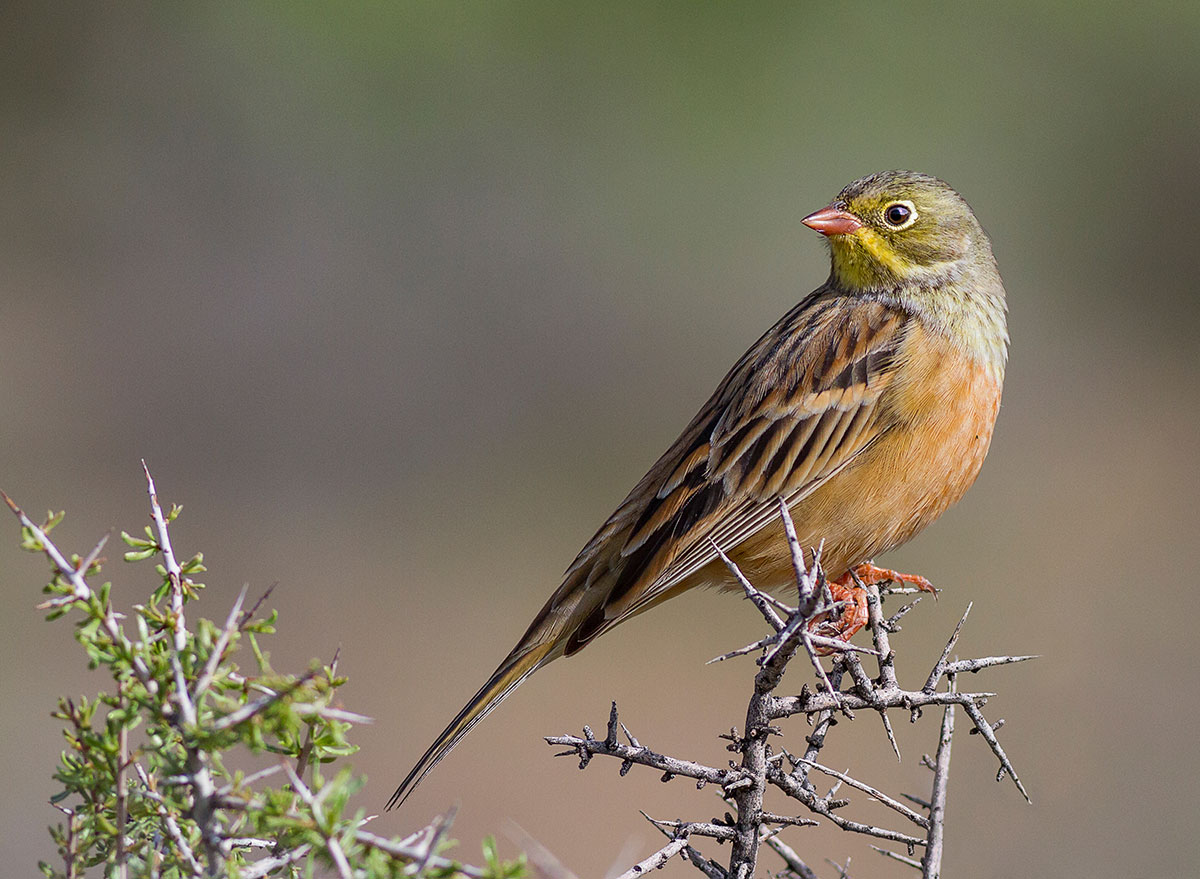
(851, 618)
(868, 575)
(849, 588)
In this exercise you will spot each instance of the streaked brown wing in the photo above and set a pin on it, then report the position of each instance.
(797, 407)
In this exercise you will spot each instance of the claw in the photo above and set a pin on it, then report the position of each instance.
(849, 588)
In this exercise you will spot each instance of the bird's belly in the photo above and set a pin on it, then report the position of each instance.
(917, 468)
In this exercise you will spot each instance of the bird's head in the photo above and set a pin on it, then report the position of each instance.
(898, 231)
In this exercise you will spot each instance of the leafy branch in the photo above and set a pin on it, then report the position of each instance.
(192, 766)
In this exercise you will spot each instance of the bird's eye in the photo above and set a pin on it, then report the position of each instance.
(900, 214)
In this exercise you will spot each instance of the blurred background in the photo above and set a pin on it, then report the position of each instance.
(399, 300)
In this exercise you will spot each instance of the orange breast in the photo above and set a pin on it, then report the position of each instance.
(942, 405)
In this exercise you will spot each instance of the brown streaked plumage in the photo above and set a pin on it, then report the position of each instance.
(868, 407)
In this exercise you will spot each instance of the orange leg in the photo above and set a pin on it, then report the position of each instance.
(847, 588)
(852, 618)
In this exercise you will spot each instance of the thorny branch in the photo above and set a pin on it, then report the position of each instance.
(213, 811)
(845, 688)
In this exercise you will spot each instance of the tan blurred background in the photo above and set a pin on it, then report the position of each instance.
(399, 300)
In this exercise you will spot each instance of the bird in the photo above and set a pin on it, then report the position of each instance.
(868, 409)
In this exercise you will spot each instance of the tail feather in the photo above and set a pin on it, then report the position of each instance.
(503, 681)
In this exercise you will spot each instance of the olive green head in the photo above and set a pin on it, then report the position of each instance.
(910, 240)
(899, 228)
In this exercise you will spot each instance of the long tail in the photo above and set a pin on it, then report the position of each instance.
(503, 681)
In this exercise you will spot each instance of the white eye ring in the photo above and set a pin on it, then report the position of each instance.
(900, 214)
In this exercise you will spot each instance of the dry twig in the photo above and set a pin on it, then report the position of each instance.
(745, 785)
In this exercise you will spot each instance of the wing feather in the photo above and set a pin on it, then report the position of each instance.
(799, 406)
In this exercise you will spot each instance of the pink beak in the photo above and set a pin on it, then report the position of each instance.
(832, 221)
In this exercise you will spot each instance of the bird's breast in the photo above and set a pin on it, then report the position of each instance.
(941, 407)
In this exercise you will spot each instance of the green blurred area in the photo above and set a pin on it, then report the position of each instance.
(399, 300)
